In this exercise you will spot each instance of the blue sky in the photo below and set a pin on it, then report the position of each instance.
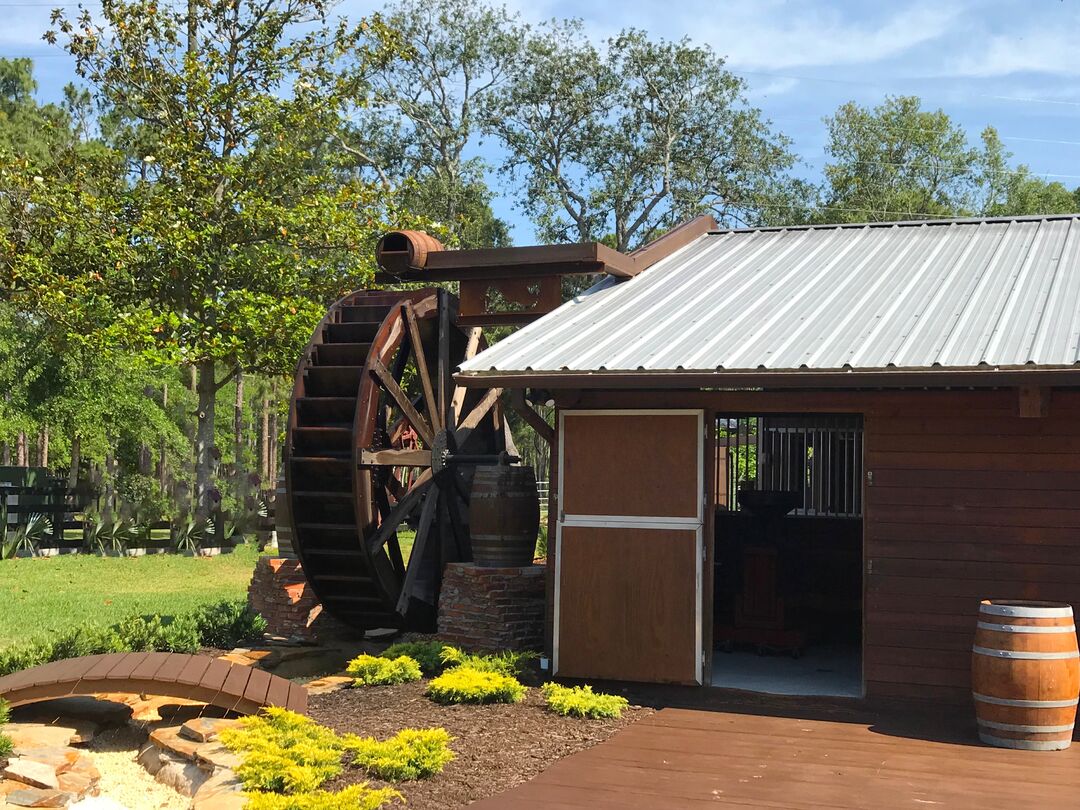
(1015, 65)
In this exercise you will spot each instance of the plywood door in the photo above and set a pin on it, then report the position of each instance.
(629, 546)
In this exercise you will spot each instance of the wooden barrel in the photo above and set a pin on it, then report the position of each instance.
(504, 516)
(401, 251)
(1025, 674)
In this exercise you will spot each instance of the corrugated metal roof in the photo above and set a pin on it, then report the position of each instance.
(954, 294)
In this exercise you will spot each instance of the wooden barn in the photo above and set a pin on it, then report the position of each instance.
(795, 459)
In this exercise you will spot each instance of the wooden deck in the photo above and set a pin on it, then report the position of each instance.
(681, 758)
(210, 680)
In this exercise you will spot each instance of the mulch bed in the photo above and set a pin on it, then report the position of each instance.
(498, 746)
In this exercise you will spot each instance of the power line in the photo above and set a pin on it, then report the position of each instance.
(953, 170)
(880, 86)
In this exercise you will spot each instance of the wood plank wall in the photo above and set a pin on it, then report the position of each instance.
(968, 501)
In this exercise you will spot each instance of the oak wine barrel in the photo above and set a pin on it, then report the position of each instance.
(1025, 674)
(504, 516)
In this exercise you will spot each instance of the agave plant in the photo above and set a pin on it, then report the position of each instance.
(189, 533)
(25, 538)
(104, 535)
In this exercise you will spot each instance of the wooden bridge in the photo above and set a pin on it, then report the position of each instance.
(234, 687)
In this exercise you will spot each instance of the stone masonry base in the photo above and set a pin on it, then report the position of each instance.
(281, 593)
(492, 608)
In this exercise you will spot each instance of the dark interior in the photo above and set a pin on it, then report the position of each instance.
(788, 536)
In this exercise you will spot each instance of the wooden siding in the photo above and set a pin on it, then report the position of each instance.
(964, 503)
(966, 500)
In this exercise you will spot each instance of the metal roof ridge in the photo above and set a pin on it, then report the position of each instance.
(832, 226)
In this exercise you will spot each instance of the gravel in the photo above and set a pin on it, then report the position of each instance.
(123, 780)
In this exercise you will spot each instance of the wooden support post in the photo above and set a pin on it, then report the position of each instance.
(535, 420)
(1034, 401)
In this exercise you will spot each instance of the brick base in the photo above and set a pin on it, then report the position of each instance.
(492, 608)
(280, 592)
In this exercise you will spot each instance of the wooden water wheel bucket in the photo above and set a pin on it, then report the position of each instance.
(504, 511)
(1025, 674)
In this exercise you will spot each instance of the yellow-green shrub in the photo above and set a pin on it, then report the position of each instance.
(466, 684)
(428, 654)
(367, 670)
(355, 797)
(409, 754)
(507, 662)
(582, 701)
(284, 752)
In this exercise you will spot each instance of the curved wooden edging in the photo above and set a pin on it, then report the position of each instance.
(229, 686)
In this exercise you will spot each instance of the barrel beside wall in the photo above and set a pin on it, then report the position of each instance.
(504, 516)
(1025, 675)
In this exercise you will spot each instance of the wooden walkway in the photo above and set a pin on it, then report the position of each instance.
(192, 677)
(682, 758)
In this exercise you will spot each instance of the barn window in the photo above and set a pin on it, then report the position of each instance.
(816, 458)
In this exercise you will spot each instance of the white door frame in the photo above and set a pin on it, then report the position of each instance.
(636, 522)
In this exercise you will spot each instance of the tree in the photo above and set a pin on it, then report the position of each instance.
(624, 143)
(238, 229)
(899, 161)
(425, 110)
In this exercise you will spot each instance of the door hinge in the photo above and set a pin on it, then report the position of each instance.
(869, 566)
(869, 478)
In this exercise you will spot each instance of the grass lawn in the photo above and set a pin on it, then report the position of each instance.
(41, 596)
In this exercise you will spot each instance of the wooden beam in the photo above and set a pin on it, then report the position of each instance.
(526, 412)
(678, 237)
(418, 422)
(395, 458)
(1034, 401)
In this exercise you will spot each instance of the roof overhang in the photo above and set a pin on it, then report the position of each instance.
(775, 380)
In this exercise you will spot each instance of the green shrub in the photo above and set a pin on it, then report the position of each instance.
(6, 745)
(507, 662)
(582, 701)
(86, 640)
(223, 624)
(226, 623)
(465, 684)
(355, 797)
(24, 656)
(428, 654)
(151, 634)
(284, 752)
(367, 670)
(409, 754)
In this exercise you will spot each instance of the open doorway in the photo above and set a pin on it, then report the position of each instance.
(787, 594)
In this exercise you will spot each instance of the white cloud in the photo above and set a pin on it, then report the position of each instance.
(774, 36)
(1050, 50)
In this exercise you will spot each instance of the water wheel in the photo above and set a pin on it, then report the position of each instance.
(380, 439)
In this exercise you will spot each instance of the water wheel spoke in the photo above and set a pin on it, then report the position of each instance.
(472, 344)
(446, 382)
(390, 385)
(417, 348)
(397, 515)
(416, 556)
(476, 415)
(458, 532)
